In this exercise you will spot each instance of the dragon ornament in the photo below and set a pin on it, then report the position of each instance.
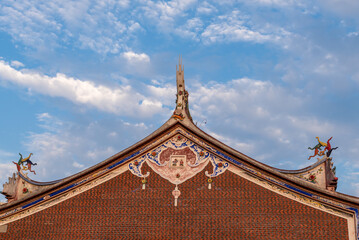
(25, 164)
(331, 179)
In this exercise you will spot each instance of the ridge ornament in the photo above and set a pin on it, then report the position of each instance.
(28, 163)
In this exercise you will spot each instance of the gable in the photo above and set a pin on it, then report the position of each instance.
(210, 184)
(234, 208)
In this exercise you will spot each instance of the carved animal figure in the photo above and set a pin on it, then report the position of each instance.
(316, 149)
(25, 161)
(329, 147)
(320, 142)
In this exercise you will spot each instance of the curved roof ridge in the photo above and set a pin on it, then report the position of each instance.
(314, 165)
(271, 170)
(37, 183)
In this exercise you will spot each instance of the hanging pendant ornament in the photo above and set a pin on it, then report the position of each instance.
(209, 183)
(144, 181)
(176, 193)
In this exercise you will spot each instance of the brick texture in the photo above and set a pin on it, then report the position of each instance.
(233, 209)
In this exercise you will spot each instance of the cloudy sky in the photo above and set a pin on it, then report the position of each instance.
(82, 80)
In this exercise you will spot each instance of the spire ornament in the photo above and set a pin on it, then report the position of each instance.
(182, 109)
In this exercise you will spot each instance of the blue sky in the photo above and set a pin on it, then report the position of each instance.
(82, 80)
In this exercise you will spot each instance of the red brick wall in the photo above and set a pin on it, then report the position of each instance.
(233, 209)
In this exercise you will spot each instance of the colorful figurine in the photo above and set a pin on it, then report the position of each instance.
(318, 148)
(329, 147)
(28, 163)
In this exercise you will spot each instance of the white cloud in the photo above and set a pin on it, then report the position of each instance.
(262, 96)
(278, 133)
(274, 2)
(101, 152)
(328, 65)
(232, 33)
(104, 27)
(233, 27)
(56, 24)
(177, 17)
(313, 125)
(7, 168)
(113, 134)
(353, 34)
(49, 143)
(6, 171)
(171, 9)
(164, 14)
(43, 116)
(134, 27)
(206, 8)
(234, 143)
(263, 120)
(48, 122)
(166, 93)
(70, 147)
(135, 58)
(6, 154)
(16, 64)
(122, 100)
(191, 29)
(101, 45)
(78, 165)
(343, 8)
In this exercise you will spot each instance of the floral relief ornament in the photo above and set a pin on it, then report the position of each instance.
(311, 176)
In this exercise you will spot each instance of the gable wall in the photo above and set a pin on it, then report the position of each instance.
(234, 208)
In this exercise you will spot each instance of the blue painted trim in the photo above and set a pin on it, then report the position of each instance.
(32, 203)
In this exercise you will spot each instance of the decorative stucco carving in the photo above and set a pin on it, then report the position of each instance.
(178, 160)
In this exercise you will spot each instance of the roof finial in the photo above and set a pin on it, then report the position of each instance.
(182, 94)
(179, 62)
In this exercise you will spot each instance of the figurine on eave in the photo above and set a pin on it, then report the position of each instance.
(329, 147)
(318, 148)
(25, 163)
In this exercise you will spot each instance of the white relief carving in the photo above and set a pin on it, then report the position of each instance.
(176, 193)
(176, 168)
(176, 160)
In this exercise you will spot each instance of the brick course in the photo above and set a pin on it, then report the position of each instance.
(233, 209)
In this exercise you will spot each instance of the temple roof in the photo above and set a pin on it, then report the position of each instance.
(181, 116)
(181, 124)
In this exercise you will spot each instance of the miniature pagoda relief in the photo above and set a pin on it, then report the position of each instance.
(181, 183)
